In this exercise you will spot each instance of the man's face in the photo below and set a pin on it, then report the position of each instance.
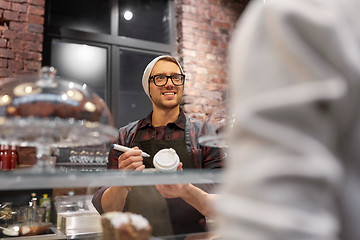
(168, 96)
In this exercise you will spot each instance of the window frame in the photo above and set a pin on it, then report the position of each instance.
(114, 43)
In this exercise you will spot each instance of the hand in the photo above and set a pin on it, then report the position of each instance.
(131, 160)
(173, 190)
(180, 167)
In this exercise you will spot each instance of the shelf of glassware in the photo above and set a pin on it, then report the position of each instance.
(43, 179)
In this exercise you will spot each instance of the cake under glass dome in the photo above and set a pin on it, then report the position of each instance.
(46, 111)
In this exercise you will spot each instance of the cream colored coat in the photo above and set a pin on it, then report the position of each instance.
(294, 167)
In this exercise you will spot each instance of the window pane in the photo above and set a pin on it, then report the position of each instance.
(83, 15)
(150, 20)
(82, 63)
(133, 103)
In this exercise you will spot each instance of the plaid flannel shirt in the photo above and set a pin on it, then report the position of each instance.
(183, 128)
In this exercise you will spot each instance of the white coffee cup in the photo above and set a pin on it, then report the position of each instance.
(166, 160)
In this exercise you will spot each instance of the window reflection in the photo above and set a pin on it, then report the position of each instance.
(149, 20)
(83, 15)
(133, 102)
(81, 62)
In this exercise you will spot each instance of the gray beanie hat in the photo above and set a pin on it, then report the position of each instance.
(149, 68)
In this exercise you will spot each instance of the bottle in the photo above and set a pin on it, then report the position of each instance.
(14, 157)
(33, 201)
(6, 158)
(31, 217)
(45, 201)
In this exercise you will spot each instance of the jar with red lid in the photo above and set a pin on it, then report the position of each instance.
(6, 158)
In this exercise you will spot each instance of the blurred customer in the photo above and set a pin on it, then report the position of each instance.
(295, 90)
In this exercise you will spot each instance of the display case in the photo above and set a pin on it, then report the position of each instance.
(48, 113)
(25, 180)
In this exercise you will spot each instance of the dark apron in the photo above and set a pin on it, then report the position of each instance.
(166, 216)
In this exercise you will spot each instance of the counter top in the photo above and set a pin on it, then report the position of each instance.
(55, 178)
(55, 234)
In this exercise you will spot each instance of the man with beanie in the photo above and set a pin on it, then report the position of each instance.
(171, 209)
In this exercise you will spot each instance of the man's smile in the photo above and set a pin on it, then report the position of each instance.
(169, 93)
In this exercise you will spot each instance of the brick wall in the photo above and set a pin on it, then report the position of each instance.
(21, 40)
(203, 30)
(21, 36)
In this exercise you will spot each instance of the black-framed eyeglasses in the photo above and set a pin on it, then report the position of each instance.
(161, 79)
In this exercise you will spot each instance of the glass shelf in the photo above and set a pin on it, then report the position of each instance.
(27, 179)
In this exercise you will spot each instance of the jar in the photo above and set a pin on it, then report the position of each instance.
(6, 158)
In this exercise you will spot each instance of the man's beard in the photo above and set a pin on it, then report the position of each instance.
(166, 106)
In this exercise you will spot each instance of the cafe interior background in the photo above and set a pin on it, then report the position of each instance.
(106, 45)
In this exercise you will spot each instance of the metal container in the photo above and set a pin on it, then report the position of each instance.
(75, 223)
(77, 216)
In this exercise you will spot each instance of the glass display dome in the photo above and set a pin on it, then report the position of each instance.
(45, 111)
